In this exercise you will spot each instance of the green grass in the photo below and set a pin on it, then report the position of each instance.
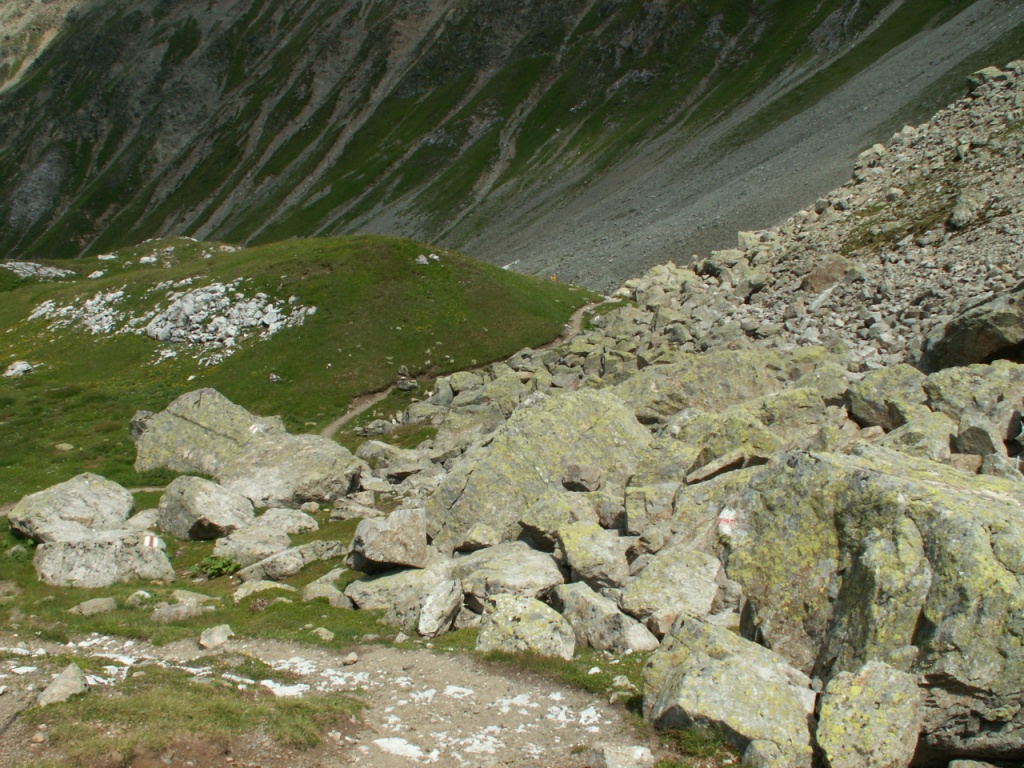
(376, 311)
(156, 706)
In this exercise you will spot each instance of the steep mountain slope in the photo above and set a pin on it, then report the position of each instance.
(469, 123)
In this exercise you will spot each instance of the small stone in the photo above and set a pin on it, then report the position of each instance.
(401, 637)
(352, 658)
(615, 756)
(215, 637)
(324, 634)
(68, 683)
(94, 607)
(138, 599)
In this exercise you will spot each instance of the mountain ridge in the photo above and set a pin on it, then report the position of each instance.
(452, 122)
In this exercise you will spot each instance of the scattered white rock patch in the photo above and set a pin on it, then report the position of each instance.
(31, 270)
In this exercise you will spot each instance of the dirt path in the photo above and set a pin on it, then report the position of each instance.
(423, 708)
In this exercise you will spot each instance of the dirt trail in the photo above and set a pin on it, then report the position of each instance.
(423, 708)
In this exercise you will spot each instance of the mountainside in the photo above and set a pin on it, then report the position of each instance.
(524, 132)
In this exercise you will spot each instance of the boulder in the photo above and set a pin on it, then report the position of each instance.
(291, 521)
(481, 501)
(290, 561)
(927, 436)
(440, 608)
(215, 637)
(197, 433)
(103, 558)
(678, 581)
(599, 623)
(553, 510)
(94, 607)
(70, 510)
(596, 556)
(325, 587)
(709, 382)
(521, 624)
(706, 676)
(399, 540)
(288, 470)
(870, 718)
(400, 594)
(884, 398)
(977, 334)
(68, 683)
(512, 568)
(195, 509)
(251, 544)
(931, 561)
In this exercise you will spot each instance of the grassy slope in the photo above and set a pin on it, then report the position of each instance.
(376, 311)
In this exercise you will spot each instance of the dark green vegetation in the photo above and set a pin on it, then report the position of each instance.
(376, 310)
(296, 118)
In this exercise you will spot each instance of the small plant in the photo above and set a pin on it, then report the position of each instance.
(696, 742)
(215, 566)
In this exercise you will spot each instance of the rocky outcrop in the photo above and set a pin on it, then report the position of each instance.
(193, 508)
(102, 559)
(72, 509)
(196, 434)
(477, 504)
(284, 470)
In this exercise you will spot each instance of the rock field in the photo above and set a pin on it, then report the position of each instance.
(789, 473)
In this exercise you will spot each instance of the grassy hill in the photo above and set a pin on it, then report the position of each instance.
(376, 310)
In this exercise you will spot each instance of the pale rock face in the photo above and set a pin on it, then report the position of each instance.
(102, 559)
(193, 508)
(519, 624)
(72, 509)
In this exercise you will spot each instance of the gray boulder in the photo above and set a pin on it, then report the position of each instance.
(68, 683)
(599, 623)
(102, 558)
(977, 334)
(197, 433)
(251, 544)
(399, 540)
(325, 587)
(400, 594)
(521, 624)
(288, 470)
(290, 561)
(706, 676)
(481, 501)
(596, 556)
(885, 398)
(71, 509)
(195, 509)
(511, 568)
(552, 511)
(440, 608)
(291, 521)
(870, 719)
(678, 581)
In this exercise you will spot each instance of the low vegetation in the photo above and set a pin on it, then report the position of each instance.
(377, 310)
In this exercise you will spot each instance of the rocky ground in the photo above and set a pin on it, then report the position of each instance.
(789, 474)
(423, 708)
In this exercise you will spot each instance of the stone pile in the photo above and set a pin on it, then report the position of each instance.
(790, 473)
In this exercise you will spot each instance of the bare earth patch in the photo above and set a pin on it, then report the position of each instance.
(423, 708)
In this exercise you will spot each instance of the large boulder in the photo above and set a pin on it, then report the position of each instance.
(977, 334)
(481, 501)
(678, 581)
(599, 623)
(870, 719)
(251, 544)
(99, 559)
(877, 556)
(290, 561)
(511, 568)
(596, 556)
(884, 398)
(706, 676)
(71, 509)
(400, 594)
(195, 509)
(399, 540)
(709, 382)
(196, 434)
(289, 470)
(521, 624)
